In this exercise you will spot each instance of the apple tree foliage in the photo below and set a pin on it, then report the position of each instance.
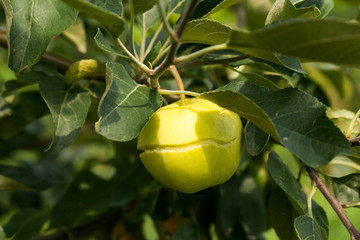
(79, 79)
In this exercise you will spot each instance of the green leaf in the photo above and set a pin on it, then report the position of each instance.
(107, 44)
(141, 6)
(30, 28)
(154, 52)
(68, 107)
(256, 139)
(205, 31)
(30, 176)
(99, 188)
(293, 117)
(2, 234)
(206, 8)
(107, 12)
(189, 231)
(126, 106)
(347, 190)
(325, 6)
(241, 201)
(26, 223)
(284, 9)
(282, 214)
(283, 177)
(18, 110)
(307, 228)
(327, 40)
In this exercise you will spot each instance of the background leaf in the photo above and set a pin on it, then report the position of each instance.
(18, 110)
(327, 40)
(68, 107)
(285, 9)
(141, 6)
(107, 12)
(241, 202)
(99, 188)
(126, 106)
(30, 28)
(256, 139)
(307, 228)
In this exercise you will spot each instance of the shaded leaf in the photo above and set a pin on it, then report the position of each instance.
(26, 223)
(327, 40)
(287, 182)
(30, 28)
(284, 9)
(241, 202)
(206, 8)
(18, 110)
(307, 228)
(2, 234)
(141, 6)
(68, 107)
(188, 230)
(347, 190)
(29, 177)
(282, 214)
(154, 52)
(126, 106)
(293, 117)
(256, 139)
(108, 13)
(97, 189)
(107, 44)
(325, 6)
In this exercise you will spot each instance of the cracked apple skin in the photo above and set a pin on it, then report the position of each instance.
(193, 146)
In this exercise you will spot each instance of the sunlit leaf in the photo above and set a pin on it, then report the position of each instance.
(284, 9)
(126, 106)
(30, 28)
(108, 13)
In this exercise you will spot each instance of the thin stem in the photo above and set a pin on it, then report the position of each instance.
(174, 46)
(309, 198)
(177, 92)
(134, 59)
(352, 124)
(354, 233)
(164, 49)
(199, 53)
(200, 63)
(179, 82)
(143, 40)
(132, 21)
(167, 26)
(153, 39)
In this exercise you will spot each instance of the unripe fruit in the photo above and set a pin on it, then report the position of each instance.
(193, 146)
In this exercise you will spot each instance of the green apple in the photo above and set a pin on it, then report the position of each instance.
(193, 146)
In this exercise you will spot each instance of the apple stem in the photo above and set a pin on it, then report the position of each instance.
(179, 82)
